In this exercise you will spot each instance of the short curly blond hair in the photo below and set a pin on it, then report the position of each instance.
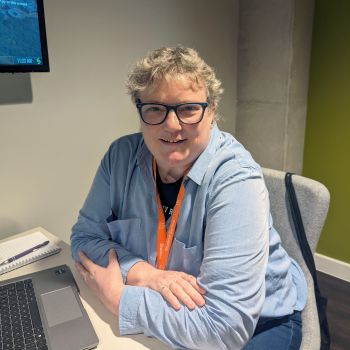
(175, 62)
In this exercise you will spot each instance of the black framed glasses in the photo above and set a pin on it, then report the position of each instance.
(156, 113)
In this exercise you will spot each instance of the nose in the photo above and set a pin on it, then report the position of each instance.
(172, 121)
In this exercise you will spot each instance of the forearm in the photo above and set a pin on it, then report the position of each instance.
(95, 243)
(142, 310)
(226, 321)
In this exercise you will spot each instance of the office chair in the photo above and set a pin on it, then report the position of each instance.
(313, 199)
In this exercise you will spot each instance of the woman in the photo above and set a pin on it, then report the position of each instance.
(175, 236)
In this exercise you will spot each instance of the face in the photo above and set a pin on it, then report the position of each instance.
(174, 145)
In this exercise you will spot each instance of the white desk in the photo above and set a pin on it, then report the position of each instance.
(104, 322)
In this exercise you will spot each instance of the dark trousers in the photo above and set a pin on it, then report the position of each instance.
(282, 333)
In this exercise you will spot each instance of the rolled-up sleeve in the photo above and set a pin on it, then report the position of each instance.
(232, 273)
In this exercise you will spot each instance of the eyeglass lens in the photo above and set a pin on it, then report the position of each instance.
(189, 113)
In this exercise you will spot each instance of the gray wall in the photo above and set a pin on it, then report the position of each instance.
(274, 49)
(55, 127)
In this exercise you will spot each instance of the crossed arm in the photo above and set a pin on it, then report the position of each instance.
(107, 282)
(232, 272)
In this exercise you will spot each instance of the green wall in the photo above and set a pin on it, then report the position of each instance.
(327, 140)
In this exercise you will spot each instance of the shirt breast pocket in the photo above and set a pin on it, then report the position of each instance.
(185, 259)
(127, 233)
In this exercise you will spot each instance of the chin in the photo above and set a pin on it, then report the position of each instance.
(176, 158)
(171, 162)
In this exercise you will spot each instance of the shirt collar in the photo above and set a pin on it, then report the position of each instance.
(200, 166)
(196, 173)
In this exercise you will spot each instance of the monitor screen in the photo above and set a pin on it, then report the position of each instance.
(23, 45)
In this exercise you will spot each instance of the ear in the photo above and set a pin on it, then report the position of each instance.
(213, 107)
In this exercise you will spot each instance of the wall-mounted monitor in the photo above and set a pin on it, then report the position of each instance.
(23, 44)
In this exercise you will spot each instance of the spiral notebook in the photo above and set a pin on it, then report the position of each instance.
(16, 246)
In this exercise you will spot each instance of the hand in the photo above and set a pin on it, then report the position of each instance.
(177, 287)
(105, 282)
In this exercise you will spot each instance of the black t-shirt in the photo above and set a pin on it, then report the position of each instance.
(168, 194)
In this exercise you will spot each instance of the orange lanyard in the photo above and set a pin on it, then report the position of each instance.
(165, 239)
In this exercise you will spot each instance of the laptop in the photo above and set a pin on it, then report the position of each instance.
(43, 311)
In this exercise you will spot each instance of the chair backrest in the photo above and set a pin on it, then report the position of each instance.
(313, 199)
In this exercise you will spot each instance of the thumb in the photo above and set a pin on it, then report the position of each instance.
(112, 256)
(113, 262)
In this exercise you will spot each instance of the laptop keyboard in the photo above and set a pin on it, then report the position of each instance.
(20, 322)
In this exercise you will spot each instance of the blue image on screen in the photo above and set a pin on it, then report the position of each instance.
(19, 33)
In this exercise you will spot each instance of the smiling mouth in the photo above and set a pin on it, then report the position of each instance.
(173, 142)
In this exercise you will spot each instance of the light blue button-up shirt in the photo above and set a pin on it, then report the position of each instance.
(224, 237)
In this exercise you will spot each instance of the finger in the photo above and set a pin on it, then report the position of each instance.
(85, 261)
(113, 260)
(114, 268)
(170, 297)
(79, 267)
(82, 271)
(112, 256)
(193, 293)
(193, 281)
(181, 295)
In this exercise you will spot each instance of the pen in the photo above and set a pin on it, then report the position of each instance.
(24, 253)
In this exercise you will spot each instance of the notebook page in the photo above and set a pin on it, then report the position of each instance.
(15, 246)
